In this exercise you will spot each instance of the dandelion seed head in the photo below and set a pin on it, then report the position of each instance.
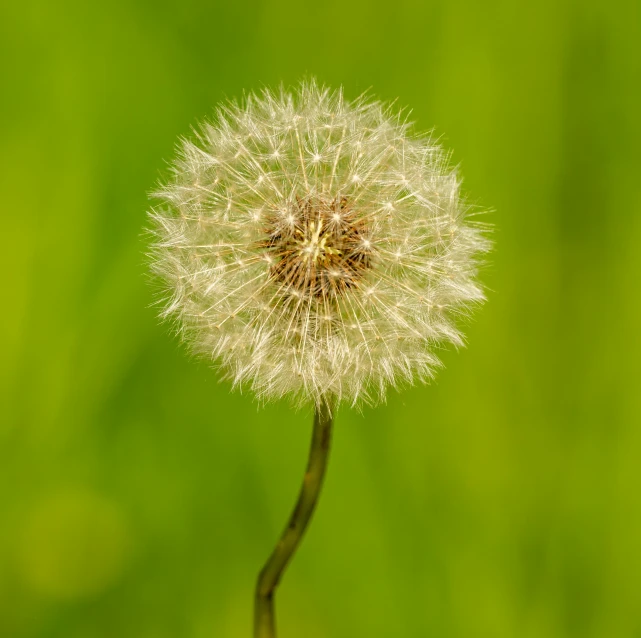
(313, 246)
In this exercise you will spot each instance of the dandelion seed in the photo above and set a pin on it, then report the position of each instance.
(281, 250)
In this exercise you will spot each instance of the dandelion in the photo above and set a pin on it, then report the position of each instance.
(315, 248)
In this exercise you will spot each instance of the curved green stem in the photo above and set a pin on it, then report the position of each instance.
(270, 575)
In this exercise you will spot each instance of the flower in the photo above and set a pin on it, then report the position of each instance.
(314, 247)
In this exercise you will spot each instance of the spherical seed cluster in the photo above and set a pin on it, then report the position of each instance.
(313, 247)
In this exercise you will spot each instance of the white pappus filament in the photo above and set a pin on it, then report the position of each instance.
(313, 246)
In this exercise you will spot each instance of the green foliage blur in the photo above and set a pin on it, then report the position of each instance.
(139, 496)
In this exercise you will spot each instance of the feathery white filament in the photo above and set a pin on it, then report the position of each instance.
(313, 247)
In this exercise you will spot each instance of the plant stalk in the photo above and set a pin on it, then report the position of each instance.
(270, 575)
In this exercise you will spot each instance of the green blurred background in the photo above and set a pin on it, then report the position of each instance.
(138, 495)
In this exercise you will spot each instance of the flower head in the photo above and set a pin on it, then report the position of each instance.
(312, 246)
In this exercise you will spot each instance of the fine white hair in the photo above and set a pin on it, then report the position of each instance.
(314, 247)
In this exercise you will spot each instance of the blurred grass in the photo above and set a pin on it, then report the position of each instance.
(138, 496)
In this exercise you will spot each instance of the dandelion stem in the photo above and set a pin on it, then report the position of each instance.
(270, 575)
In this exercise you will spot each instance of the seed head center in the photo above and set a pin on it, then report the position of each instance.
(320, 249)
(316, 243)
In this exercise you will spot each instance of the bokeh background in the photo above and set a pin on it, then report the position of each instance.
(139, 496)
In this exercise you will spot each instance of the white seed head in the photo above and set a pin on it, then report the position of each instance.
(313, 247)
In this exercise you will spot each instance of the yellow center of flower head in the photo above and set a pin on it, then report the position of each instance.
(319, 249)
